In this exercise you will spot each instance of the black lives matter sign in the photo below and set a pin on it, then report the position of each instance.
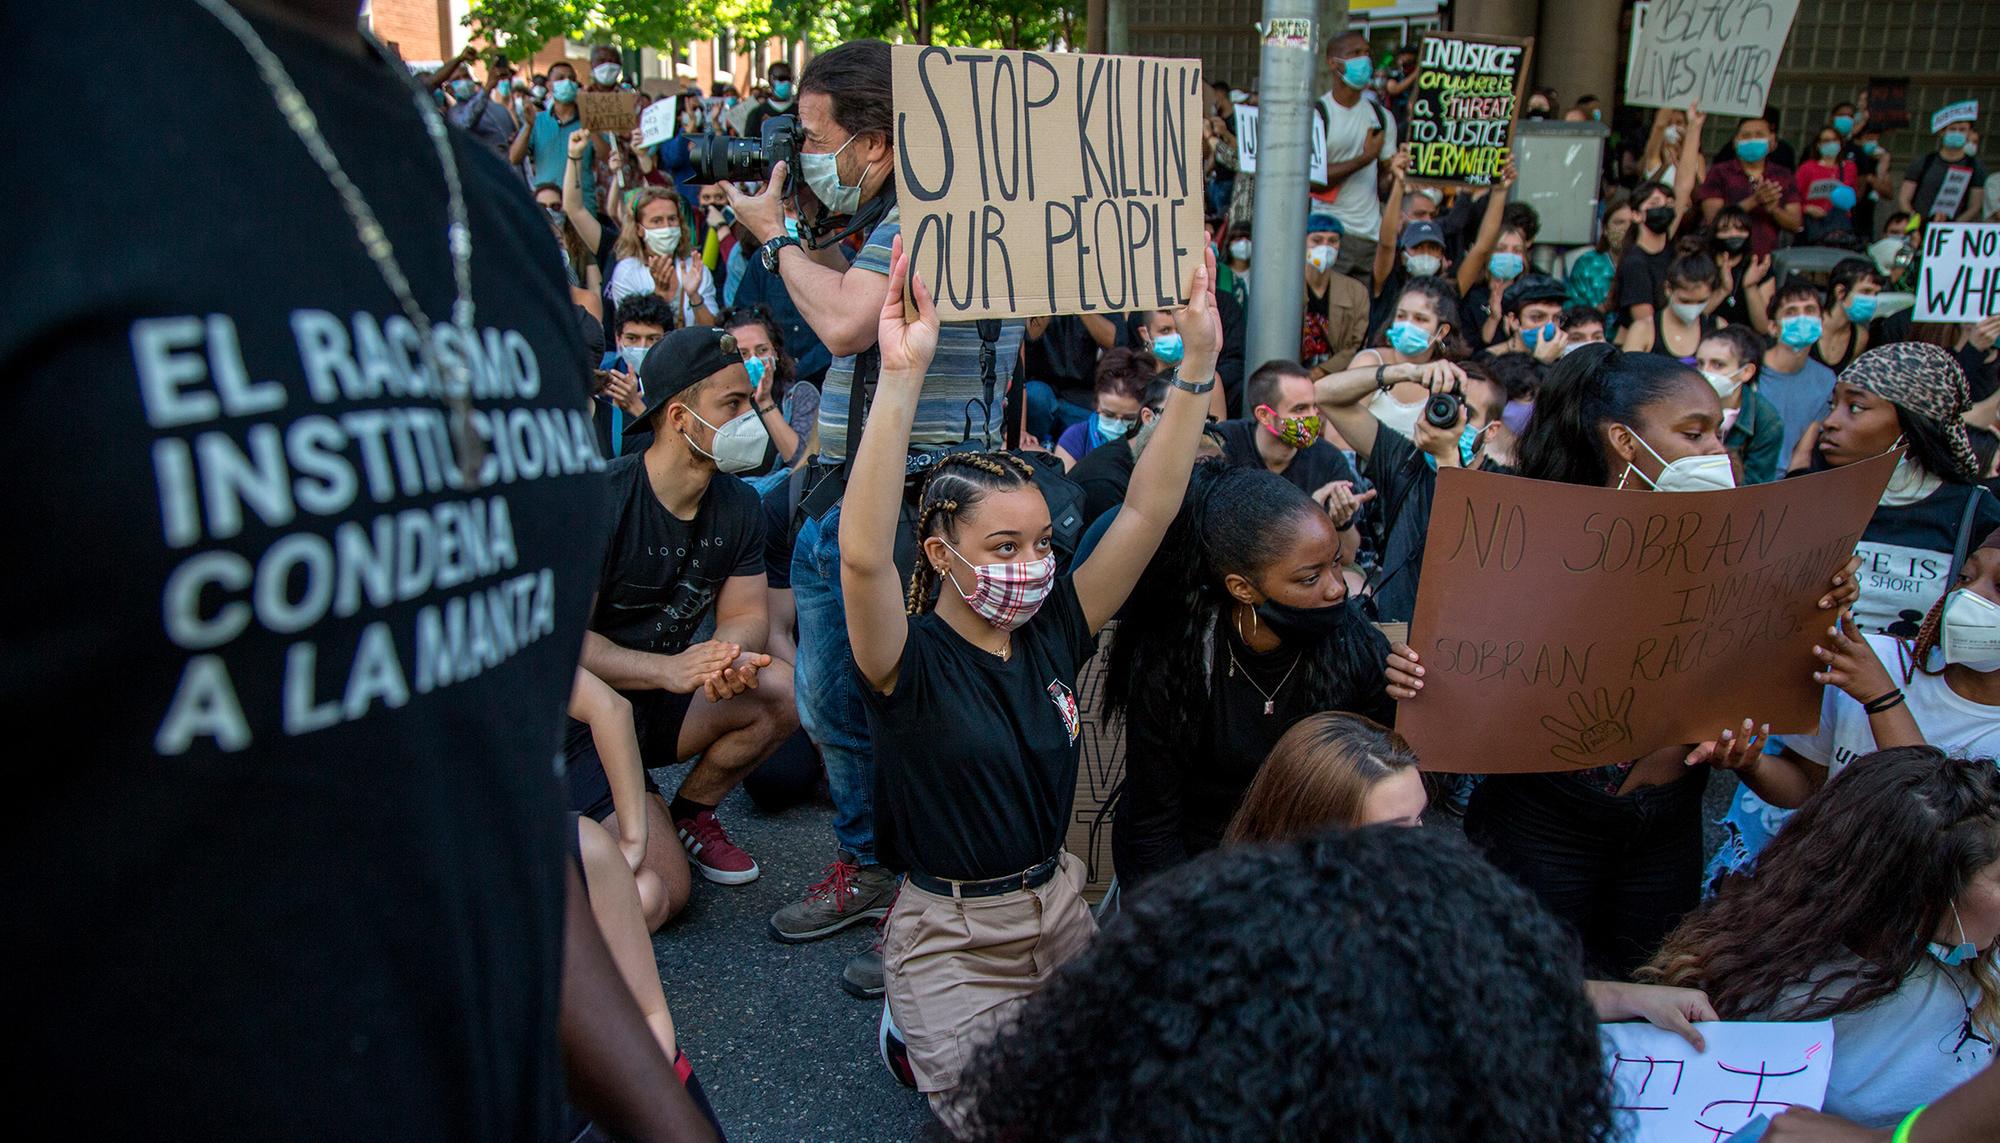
(1468, 98)
(1035, 183)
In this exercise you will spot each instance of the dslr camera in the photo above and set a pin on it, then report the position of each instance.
(724, 158)
(1442, 410)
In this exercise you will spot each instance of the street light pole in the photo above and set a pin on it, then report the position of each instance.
(1284, 150)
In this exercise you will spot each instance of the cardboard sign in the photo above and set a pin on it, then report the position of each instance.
(1951, 192)
(656, 123)
(1722, 52)
(1959, 278)
(1100, 768)
(1461, 121)
(1663, 1091)
(1964, 111)
(1631, 621)
(1889, 103)
(613, 111)
(1048, 182)
(1246, 144)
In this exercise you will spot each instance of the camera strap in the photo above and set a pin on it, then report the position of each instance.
(861, 221)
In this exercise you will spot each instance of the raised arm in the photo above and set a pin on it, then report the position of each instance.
(1392, 221)
(877, 625)
(579, 212)
(1473, 268)
(1687, 170)
(517, 151)
(1160, 478)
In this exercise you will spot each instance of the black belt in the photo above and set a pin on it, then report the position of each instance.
(1031, 878)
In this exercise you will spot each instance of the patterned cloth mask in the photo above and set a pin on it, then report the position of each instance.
(1006, 594)
(1299, 432)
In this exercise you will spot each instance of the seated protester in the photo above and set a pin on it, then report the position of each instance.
(1845, 333)
(1336, 318)
(1106, 472)
(1403, 469)
(1528, 312)
(1425, 330)
(1062, 353)
(1925, 178)
(656, 255)
(971, 702)
(637, 325)
(1678, 325)
(1912, 393)
(580, 266)
(1244, 628)
(1122, 378)
(1752, 430)
(1233, 274)
(1746, 279)
(1877, 906)
(1498, 259)
(1752, 179)
(787, 407)
(717, 223)
(1241, 1000)
(1587, 271)
(1511, 381)
(758, 288)
(687, 541)
(1284, 433)
(1795, 384)
(1152, 331)
(1581, 326)
(1615, 850)
(1838, 178)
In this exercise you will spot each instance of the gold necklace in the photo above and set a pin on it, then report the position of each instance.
(1271, 696)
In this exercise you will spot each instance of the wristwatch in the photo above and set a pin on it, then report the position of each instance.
(1186, 386)
(1382, 381)
(768, 253)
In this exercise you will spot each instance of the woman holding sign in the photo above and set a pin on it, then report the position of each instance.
(1616, 850)
(971, 700)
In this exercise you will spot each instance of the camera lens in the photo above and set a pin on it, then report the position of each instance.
(1441, 411)
(720, 158)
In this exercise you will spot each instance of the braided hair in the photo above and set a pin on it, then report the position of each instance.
(957, 484)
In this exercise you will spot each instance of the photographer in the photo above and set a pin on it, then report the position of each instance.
(846, 164)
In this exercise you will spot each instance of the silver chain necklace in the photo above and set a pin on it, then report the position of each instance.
(454, 380)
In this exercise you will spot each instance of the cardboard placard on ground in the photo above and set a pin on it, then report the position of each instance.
(1959, 277)
(1563, 627)
(656, 122)
(1037, 183)
(1889, 103)
(1666, 1092)
(1247, 121)
(613, 111)
(1462, 114)
(1722, 52)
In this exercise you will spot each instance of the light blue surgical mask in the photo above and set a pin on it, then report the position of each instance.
(1844, 124)
(633, 355)
(1504, 266)
(1168, 348)
(821, 171)
(791, 226)
(1468, 441)
(564, 90)
(1799, 331)
(781, 90)
(1829, 149)
(463, 89)
(504, 88)
(1954, 140)
(1357, 72)
(1112, 428)
(1535, 334)
(754, 366)
(1861, 308)
(1408, 339)
(1752, 150)
(1959, 953)
(1870, 147)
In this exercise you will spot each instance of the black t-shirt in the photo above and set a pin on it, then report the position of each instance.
(975, 757)
(662, 574)
(298, 867)
(1404, 486)
(1474, 309)
(1312, 468)
(1640, 278)
(1104, 474)
(1065, 357)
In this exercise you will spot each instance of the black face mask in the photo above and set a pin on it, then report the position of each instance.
(1733, 243)
(1660, 219)
(1302, 624)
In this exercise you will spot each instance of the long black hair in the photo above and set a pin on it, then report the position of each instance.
(1924, 442)
(1588, 389)
(1232, 521)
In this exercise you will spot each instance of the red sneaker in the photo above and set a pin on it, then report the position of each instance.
(710, 851)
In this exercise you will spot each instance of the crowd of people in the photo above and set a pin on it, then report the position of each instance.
(783, 529)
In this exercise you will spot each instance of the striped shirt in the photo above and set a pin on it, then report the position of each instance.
(952, 406)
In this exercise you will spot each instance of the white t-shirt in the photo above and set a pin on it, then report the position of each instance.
(1949, 721)
(1347, 128)
(630, 276)
(1908, 1048)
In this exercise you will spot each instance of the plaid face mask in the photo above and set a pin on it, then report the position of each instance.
(1006, 595)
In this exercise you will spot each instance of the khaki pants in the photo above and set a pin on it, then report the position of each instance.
(957, 970)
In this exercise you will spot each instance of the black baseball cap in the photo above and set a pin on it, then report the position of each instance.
(678, 361)
(1417, 233)
(1529, 288)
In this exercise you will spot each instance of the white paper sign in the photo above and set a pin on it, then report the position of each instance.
(1951, 192)
(1246, 144)
(1960, 275)
(656, 122)
(1964, 111)
(1666, 1092)
(1722, 52)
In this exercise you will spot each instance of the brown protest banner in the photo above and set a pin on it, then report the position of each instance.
(1468, 98)
(1563, 627)
(1035, 183)
(613, 111)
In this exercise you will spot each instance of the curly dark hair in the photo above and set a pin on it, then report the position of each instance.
(1848, 895)
(1290, 992)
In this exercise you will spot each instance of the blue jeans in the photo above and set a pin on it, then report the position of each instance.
(829, 694)
(1049, 415)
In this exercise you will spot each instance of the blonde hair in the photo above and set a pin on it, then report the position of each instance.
(1318, 776)
(632, 239)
